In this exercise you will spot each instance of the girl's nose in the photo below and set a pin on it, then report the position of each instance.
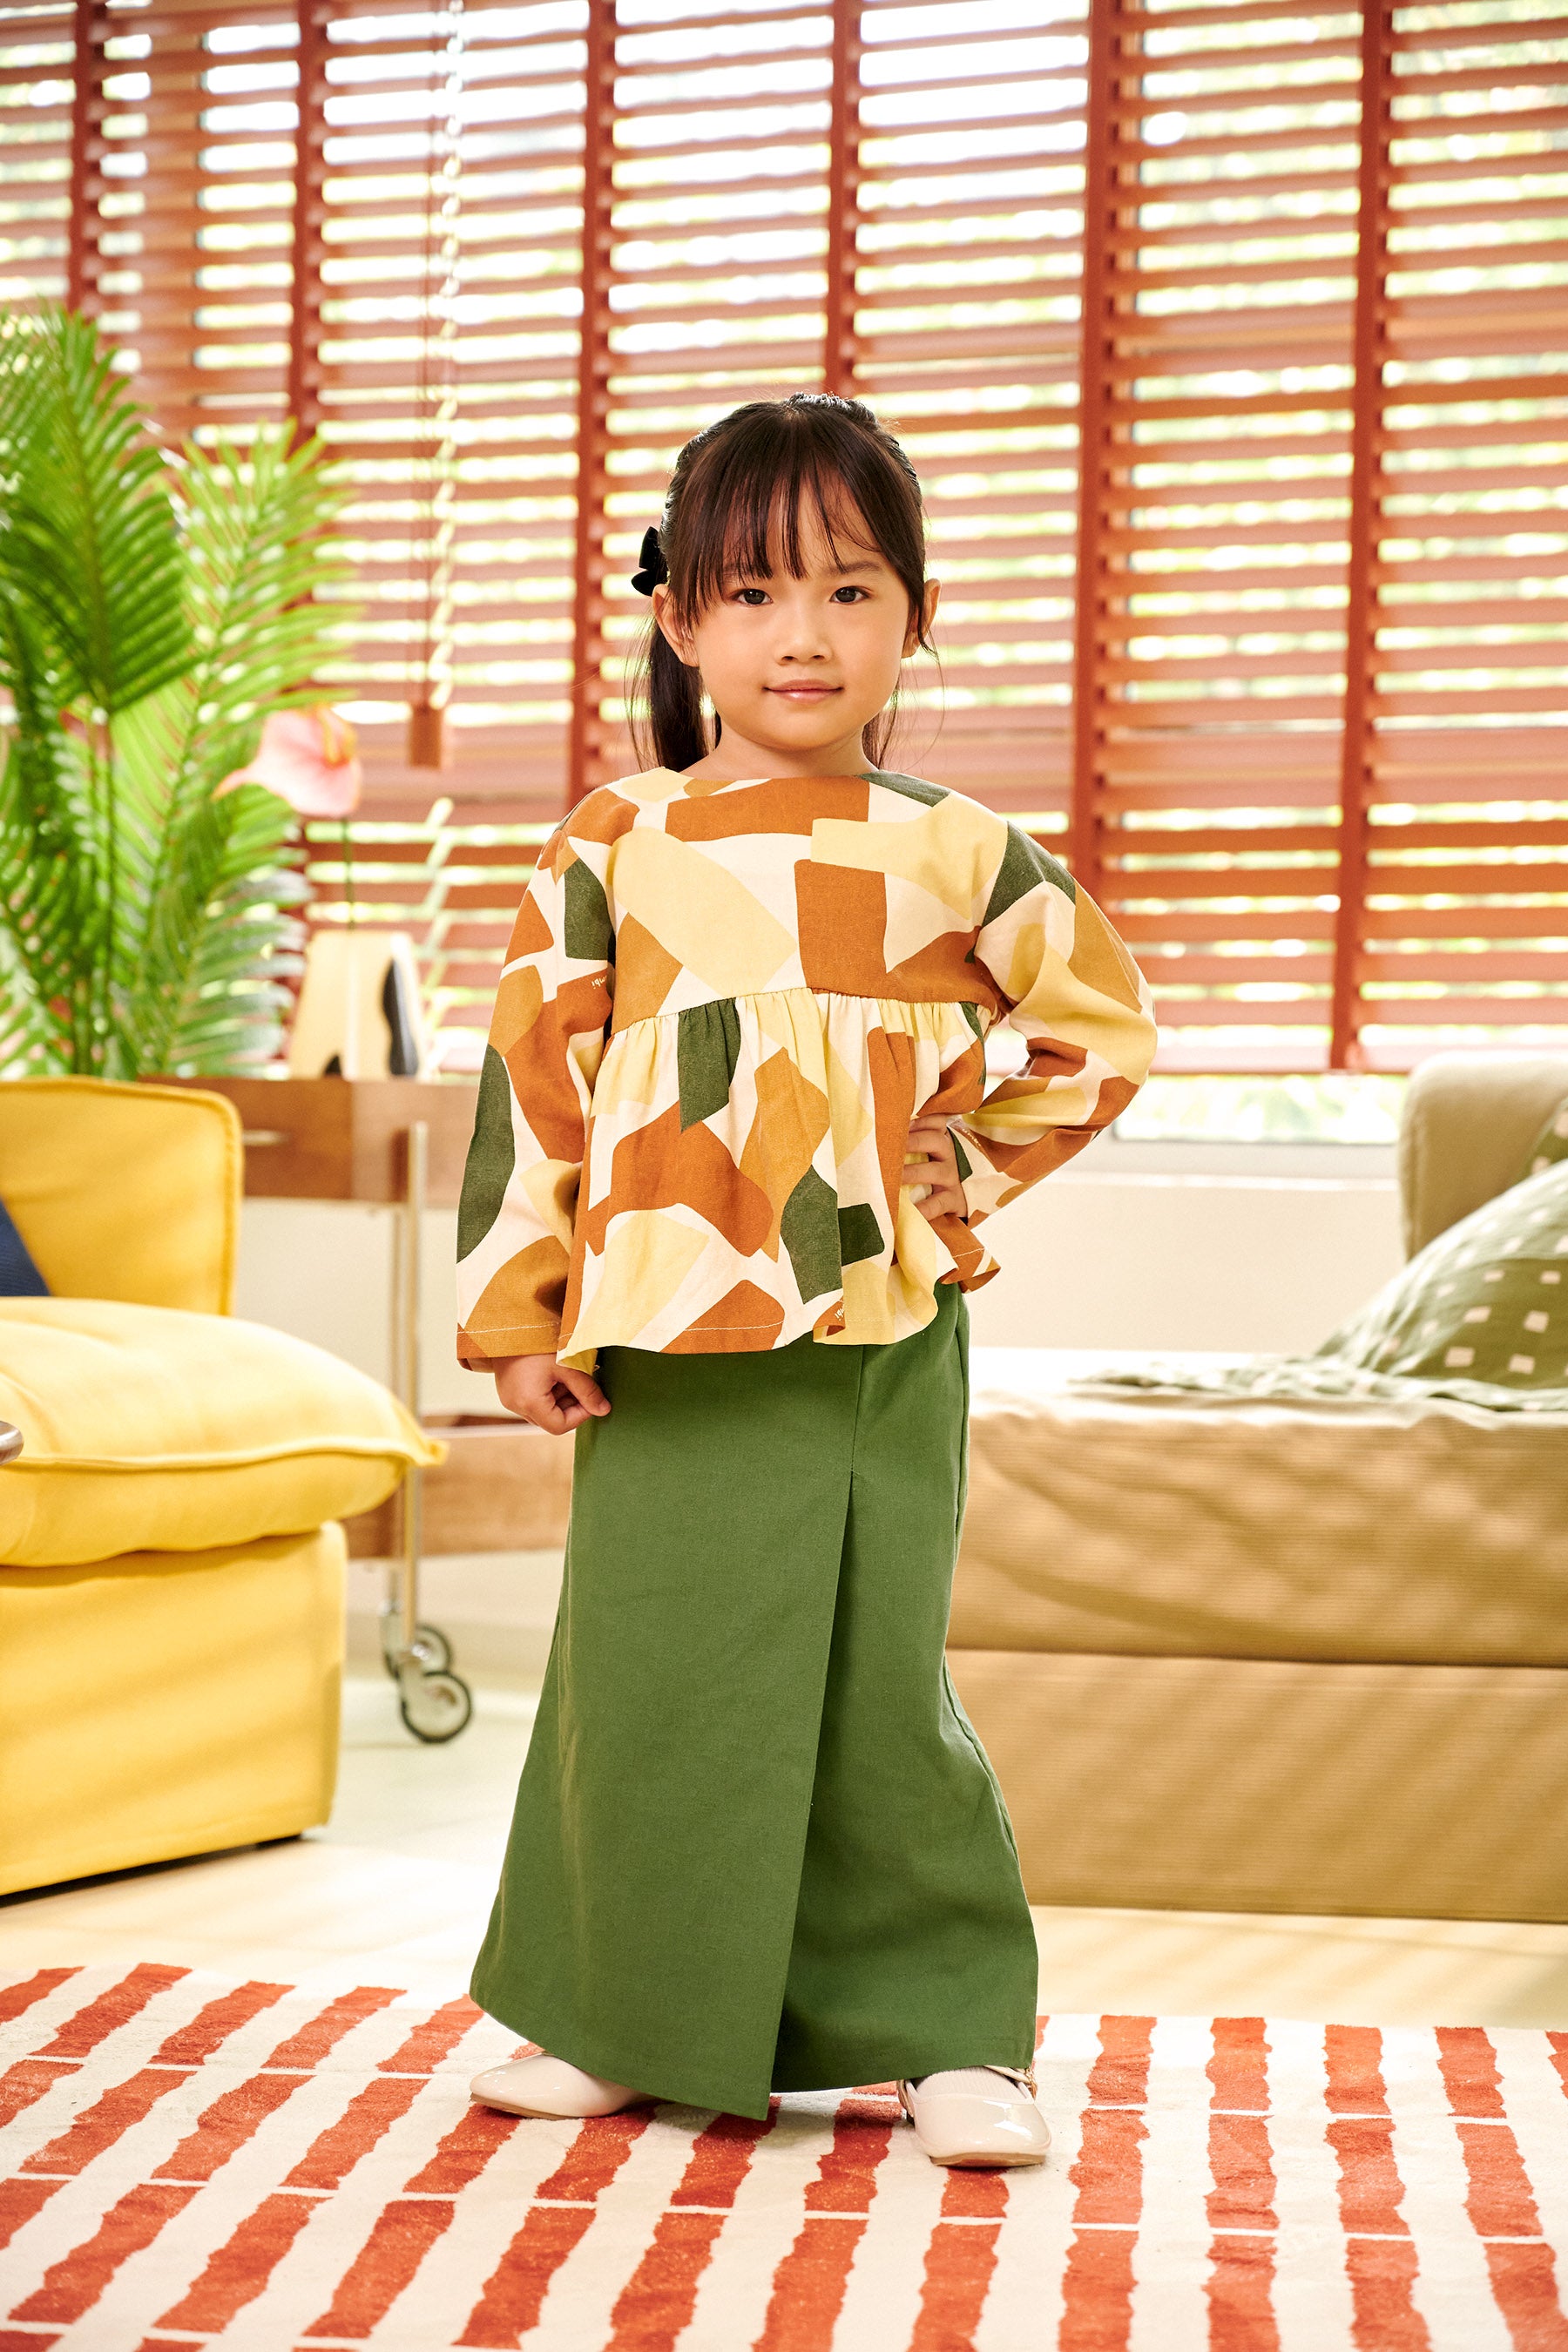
(804, 640)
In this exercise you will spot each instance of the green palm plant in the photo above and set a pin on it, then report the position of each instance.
(154, 611)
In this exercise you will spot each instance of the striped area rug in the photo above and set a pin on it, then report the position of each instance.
(187, 2162)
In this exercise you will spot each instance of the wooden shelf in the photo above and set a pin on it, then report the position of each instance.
(343, 1139)
(502, 1487)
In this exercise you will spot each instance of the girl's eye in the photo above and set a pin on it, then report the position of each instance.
(847, 594)
(752, 596)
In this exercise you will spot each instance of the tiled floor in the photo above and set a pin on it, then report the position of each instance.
(396, 1890)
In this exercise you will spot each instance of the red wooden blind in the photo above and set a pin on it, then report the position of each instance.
(1320, 685)
(1229, 341)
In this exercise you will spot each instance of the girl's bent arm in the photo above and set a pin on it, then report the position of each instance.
(525, 1162)
(1082, 1007)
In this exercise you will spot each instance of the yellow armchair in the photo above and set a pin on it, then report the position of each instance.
(171, 1567)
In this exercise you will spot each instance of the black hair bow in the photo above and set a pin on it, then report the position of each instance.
(654, 571)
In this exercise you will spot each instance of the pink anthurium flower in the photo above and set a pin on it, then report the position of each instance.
(308, 759)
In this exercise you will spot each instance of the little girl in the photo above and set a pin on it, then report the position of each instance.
(732, 1145)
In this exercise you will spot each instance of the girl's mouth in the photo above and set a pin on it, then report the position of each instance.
(805, 693)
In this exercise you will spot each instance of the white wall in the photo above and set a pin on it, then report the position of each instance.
(1264, 1246)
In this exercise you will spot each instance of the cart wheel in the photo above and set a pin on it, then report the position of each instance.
(431, 1648)
(435, 1706)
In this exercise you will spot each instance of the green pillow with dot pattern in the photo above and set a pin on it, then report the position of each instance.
(1487, 1300)
(1552, 1144)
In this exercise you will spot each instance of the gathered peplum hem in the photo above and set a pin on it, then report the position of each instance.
(744, 1178)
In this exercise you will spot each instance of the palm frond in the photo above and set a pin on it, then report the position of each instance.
(252, 535)
(152, 612)
(87, 531)
(50, 852)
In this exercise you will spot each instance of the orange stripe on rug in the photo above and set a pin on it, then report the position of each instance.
(112, 2010)
(1468, 2066)
(16, 1998)
(316, 2040)
(1501, 2202)
(1354, 2056)
(1381, 2272)
(333, 2153)
(108, 2120)
(19, 2201)
(72, 2285)
(593, 2158)
(237, 2271)
(1242, 2164)
(722, 2158)
(657, 2303)
(1371, 2190)
(846, 2175)
(809, 2286)
(464, 2153)
(1108, 2173)
(210, 2027)
(1240, 2290)
(227, 2124)
(975, 2196)
(404, 2233)
(433, 2040)
(28, 2079)
(1097, 2292)
(1381, 2269)
(515, 2290)
(659, 2298)
(1240, 2283)
(1241, 2159)
(1558, 2045)
(1097, 2284)
(1238, 2071)
(1524, 2286)
(1120, 2076)
(960, 2262)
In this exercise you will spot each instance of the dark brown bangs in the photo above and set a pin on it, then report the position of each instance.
(757, 516)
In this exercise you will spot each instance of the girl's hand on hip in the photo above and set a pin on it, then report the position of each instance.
(550, 1395)
(931, 1162)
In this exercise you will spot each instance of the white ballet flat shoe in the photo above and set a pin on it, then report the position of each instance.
(981, 2115)
(549, 2087)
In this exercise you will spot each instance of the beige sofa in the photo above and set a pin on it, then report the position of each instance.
(1235, 1654)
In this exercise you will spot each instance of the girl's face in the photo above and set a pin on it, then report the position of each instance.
(797, 668)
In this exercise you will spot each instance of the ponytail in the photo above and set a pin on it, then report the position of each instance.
(667, 722)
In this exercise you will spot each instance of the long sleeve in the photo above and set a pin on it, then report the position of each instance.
(1080, 1002)
(525, 1162)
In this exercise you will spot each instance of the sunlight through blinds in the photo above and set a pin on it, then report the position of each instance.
(1230, 339)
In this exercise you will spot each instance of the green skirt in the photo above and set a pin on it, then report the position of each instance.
(757, 1844)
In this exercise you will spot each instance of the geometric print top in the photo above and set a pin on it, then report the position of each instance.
(722, 1006)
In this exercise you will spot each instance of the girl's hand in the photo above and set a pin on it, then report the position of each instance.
(550, 1395)
(933, 1163)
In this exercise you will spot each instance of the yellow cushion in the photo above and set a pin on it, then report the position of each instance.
(147, 1429)
(123, 1192)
